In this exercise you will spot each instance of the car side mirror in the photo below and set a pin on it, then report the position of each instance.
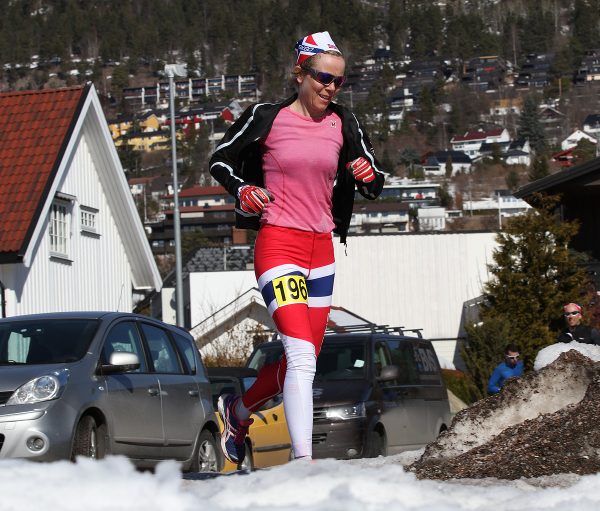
(120, 362)
(389, 373)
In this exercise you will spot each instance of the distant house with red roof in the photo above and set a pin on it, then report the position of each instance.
(470, 143)
(70, 235)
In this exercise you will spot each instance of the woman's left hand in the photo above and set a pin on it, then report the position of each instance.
(361, 170)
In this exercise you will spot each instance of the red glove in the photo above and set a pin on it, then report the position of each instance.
(253, 198)
(361, 170)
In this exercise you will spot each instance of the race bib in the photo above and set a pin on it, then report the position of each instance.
(290, 289)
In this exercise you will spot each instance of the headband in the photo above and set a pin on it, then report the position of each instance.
(577, 306)
(313, 44)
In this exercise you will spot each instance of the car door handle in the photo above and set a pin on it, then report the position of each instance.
(193, 393)
(153, 391)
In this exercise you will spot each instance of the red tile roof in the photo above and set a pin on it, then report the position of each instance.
(201, 191)
(34, 129)
(477, 135)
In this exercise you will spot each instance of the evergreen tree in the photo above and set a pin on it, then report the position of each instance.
(539, 168)
(449, 166)
(533, 274)
(512, 179)
(585, 150)
(530, 126)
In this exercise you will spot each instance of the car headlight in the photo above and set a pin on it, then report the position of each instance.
(43, 388)
(356, 411)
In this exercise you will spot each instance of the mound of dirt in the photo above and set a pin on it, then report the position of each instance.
(544, 423)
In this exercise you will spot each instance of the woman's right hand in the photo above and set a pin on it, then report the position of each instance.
(254, 198)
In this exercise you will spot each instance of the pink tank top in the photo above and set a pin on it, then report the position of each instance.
(300, 158)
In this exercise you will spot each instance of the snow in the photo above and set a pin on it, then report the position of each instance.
(320, 485)
(326, 485)
(550, 353)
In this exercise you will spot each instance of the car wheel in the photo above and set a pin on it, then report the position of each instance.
(375, 445)
(248, 463)
(90, 439)
(208, 457)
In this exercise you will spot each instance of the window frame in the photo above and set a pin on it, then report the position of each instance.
(60, 230)
(91, 213)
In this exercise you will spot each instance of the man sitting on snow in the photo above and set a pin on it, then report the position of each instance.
(575, 331)
(510, 368)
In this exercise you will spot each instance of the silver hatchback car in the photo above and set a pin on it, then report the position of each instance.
(97, 383)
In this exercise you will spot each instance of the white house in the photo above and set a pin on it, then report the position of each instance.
(435, 163)
(471, 141)
(574, 138)
(70, 235)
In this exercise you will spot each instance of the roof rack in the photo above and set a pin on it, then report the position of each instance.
(372, 328)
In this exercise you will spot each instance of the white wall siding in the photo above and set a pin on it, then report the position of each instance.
(416, 281)
(98, 276)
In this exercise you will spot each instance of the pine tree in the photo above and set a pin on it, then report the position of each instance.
(533, 274)
(512, 179)
(539, 168)
(530, 127)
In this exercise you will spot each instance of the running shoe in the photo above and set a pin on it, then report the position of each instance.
(234, 430)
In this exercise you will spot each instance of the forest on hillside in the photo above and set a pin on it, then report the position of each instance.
(239, 36)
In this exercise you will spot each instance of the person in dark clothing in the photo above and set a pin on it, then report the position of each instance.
(575, 331)
(512, 367)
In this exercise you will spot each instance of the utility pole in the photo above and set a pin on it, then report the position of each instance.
(171, 70)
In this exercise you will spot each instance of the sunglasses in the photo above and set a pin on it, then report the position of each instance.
(574, 313)
(325, 78)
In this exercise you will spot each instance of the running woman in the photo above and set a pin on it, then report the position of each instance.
(293, 168)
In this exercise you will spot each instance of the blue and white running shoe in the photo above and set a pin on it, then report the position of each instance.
(234, 430)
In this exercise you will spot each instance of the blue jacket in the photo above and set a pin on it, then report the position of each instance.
(502, 372)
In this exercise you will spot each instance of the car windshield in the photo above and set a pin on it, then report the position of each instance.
(264, 355)
(48, 341)
(337, 360)
(342, 361)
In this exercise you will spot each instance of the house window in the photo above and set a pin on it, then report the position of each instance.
(60, 231)
(88, 219)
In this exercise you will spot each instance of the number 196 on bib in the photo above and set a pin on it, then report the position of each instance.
(290, 289)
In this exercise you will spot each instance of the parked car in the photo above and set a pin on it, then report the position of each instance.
(268, 442)
(376, 392)
(97, 383)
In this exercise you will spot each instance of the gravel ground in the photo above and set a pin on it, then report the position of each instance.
(541, 424)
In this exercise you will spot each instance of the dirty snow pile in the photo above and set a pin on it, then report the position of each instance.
(544, 423)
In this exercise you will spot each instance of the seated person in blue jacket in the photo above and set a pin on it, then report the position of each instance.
(510, 368)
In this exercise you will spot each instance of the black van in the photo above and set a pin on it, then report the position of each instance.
(375, 393)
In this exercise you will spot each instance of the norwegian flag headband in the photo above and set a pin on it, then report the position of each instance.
(313, 44)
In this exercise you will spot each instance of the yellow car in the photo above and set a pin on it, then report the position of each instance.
(268, 442)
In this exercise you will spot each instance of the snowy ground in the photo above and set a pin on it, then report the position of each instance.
(326, 485)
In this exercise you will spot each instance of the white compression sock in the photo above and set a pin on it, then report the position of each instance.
(297, 393)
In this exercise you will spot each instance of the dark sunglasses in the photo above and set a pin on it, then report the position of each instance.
(325, 78)
(573, 313)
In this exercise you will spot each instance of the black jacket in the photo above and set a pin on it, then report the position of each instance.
(581, 333)
(238, 161)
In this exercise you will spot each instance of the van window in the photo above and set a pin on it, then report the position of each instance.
(403, 356)
(427, 364)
